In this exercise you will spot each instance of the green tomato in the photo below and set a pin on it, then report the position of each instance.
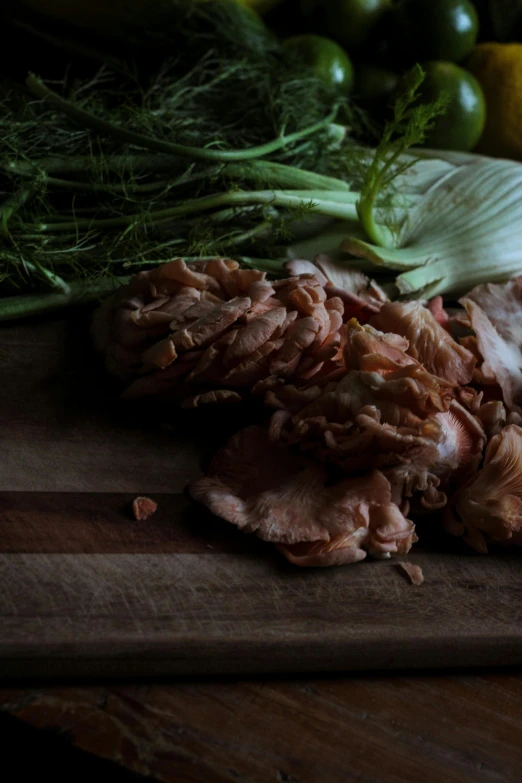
(434, 30)
(461, 126)
(325, 58)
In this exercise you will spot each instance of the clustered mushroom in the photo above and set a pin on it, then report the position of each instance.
(213, 332)
(379, 408)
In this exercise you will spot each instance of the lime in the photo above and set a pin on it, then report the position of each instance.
(461, 126)
(375, 87)
(434, 30)
(349, 22)
(328, 61)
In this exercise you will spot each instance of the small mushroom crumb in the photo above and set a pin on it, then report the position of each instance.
(143, 508)
(413, 572)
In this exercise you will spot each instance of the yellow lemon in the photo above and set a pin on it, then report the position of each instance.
(498, 69)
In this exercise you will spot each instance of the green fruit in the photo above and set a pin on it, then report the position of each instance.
(461, 126)
(325, 58)
(349, 22)
(375, 87)
(434, 30)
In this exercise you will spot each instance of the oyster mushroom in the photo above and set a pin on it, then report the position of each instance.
(429, 342)
(180, 332)
(288, 499)
(495, 314)
(489, 506)
(361, 296)
(396, 417)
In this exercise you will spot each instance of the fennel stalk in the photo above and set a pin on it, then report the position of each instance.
(84, 208)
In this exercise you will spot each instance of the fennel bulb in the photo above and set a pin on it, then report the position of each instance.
(465, 228)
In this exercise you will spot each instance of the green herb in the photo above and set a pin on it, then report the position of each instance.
(94, 123)
(409, 126)
(95, 185)
(234, 156)
(78, 293)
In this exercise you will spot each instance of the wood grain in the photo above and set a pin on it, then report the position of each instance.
(221, 612)
(357, 729)
(86, 590)
(63, 429)
(103, 523)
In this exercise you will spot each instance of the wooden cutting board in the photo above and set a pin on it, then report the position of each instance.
(86, 591)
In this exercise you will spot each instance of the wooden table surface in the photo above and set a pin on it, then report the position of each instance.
(378, 728)
(440, 728)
